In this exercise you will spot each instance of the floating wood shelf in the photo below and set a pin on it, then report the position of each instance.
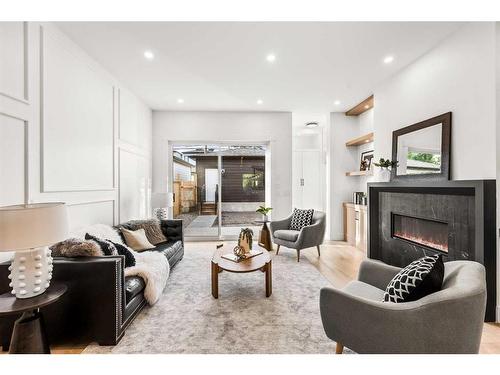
(360, 140)
(359, 173)
(364, 106)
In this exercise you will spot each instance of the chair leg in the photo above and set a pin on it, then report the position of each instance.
(339, 349)
(319, 253)
(298, 255)
(278, 249)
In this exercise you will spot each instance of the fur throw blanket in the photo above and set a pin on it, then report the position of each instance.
(75, 247)
(151, 266)
(154, 269)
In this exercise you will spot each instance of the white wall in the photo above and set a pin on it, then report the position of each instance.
(63, 123)
(237, 127)
(365, 125)
(342, 159)
(458, 76)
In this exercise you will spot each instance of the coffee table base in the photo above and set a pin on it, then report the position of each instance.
(267, 269)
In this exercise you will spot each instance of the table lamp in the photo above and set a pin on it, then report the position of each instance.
(28, 230)
(165, 201)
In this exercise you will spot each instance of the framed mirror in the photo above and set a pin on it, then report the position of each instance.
(423, 150)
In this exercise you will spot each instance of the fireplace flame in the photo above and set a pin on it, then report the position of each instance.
(429, 242)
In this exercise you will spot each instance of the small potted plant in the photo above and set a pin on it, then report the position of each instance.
(385, 166)
(264, 211)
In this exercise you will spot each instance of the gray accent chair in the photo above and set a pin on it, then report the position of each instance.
(310, 236)
(448, 321)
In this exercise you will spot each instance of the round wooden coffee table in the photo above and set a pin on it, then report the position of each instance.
(260, 262)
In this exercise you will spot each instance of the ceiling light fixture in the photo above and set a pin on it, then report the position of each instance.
(367, 106)
(336, 102)
(149, 55)
(312, 124)
(180, 100)
(260, 101)
(271, 57)
(388, 59)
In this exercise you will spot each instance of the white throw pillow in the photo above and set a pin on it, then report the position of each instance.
(136, 239)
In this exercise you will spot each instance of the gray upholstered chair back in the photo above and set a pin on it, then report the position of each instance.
(309, 236)
(462, 279)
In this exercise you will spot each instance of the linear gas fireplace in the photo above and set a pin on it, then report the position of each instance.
(457, 219)
(420, 231)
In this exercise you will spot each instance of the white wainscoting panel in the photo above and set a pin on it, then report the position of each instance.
(84, 214)
(135, 186)
(12, 160)
(13, 60)
(135, 120)
(77, 121)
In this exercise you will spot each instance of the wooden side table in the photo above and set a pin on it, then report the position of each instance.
(265, 235)
(28, 336)
(262, 262)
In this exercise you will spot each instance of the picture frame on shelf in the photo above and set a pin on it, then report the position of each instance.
(366, 160)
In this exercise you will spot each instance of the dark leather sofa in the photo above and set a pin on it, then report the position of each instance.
(100, 302)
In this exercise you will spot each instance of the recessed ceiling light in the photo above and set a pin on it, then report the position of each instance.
(312, 124)
(367, 106)
(260, 101)
(180, 100)
(336, 102)
(271, 57)
(149, 55)
(388, 59)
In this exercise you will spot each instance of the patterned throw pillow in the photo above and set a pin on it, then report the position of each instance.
(301, 218)
(106, 246)
(418, 279)
(126, 252)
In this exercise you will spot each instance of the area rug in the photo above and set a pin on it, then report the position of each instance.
(187, 319)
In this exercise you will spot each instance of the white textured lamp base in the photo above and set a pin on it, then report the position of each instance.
(30, 272)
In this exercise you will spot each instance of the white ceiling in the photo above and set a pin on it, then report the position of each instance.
(222, 66)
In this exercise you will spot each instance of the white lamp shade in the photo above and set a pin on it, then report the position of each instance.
(162, 200)
(33, 225)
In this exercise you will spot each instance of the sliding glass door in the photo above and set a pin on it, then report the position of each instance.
(217, 188)
(196, 188)
(243, 191)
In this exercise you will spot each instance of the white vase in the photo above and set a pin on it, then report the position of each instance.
(30, 272)
(384, 175)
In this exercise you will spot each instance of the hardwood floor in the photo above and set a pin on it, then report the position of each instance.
(338, 263)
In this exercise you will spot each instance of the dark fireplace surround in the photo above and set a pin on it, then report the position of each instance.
(457, 219)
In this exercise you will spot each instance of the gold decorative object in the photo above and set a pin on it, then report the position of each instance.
(239, 251)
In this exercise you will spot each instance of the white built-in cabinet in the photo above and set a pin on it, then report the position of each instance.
(307, 179)
(356, 225)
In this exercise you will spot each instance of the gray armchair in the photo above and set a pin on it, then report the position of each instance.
(309, 236)
(448, 321)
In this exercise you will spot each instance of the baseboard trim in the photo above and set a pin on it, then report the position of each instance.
(337, 237)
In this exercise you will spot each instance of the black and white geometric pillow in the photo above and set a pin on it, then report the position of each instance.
(420, 278)
(301, 218)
